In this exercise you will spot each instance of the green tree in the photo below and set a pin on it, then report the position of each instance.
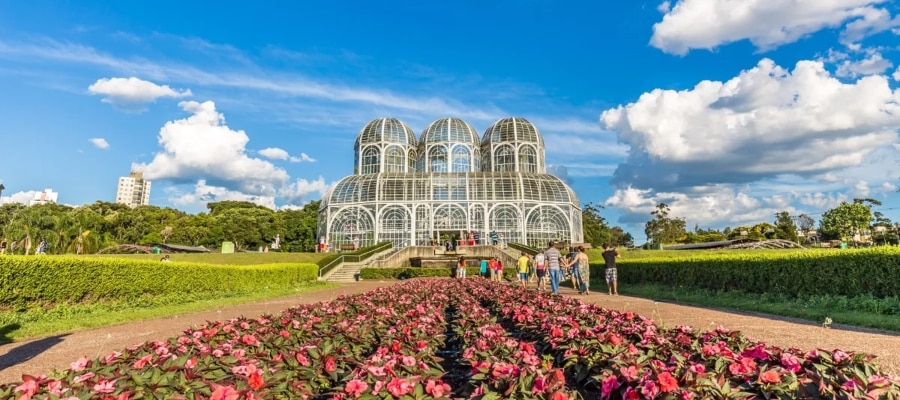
(847, 219)
(596, 231)
(784, 227)
(663, 229)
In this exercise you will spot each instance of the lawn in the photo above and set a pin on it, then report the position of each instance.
(233, 259)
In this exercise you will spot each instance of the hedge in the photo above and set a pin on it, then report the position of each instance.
(847, 272)
(415, 272)
(54, 279)
(337, 253)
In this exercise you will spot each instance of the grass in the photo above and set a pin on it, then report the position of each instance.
(35, 322)
(232, 259)
(860, 311)
(637, 254)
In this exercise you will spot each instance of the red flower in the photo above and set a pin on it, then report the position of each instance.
(28, 388)
(770, 376)
(790, 362)
(559, 396)
(667, 382)
(191, 363)
(142, 362)
(250, 340)
(356, 387)
(399, 387)
(610, 383)
(329, 364)
(615, 340)
(302, 359)
(256, 381)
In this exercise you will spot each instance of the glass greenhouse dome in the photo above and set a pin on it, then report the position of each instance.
(449, 185)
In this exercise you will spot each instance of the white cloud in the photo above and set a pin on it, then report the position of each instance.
(201, 146)
(274, 153)
(870, 21)
(765, 122)
(204, 193)
(99, 143)
(20, 197)
(127, 92)
(896, 74)
(664, 7)
(303, 157)
(873, 64)
(709, 206)
(300, 190)
(706, 24)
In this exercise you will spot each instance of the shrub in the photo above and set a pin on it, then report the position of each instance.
(847, 272)
(54, 279)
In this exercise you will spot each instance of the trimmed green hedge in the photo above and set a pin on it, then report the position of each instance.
(55, 279)
(848, 272)
(411, 272)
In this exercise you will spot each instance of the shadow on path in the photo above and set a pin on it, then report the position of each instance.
(27, 351)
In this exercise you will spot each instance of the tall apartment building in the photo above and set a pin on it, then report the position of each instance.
(45, 197)
(133, 190)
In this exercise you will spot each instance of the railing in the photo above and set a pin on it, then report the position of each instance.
(523, 248)
(357, 256)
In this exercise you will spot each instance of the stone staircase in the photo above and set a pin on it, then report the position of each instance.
(345, 272)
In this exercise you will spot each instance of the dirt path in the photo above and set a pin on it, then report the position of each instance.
(57, 352)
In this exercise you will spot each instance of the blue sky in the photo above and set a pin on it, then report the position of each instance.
(727, 112)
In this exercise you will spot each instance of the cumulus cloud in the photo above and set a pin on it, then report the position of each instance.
(706, 24)
(303, 157)
(708, 206)
(896, 75)
(99, 143)
(300, 190)
(20, 197)
(129, 92)
(202, 147)
(203, 193)
(873, 64)
(274, 153)
(561, 172)
(762, 123)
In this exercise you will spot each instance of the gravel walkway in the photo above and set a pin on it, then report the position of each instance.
(42, 355)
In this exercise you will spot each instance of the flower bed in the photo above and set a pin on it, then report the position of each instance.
(449, 338)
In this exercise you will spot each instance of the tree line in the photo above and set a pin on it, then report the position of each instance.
(849, 222)
(93, 227)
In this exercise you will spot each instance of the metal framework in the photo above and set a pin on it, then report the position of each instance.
(449, 183)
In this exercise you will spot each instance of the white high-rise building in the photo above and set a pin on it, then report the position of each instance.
(45, 197)
(133, 190)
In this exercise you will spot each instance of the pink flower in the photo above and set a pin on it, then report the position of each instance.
(408, 361)
(790, 362)
(686, 395)
(330, 365)
(55, 387)
(105, 386)
(770, 376)
(850, 385)
(436, 388)
(630, 373)
(142, 362)
(191, 363)
(112, 357)
(79, 365)
(82, 378)
(610, 383)
(28, 389)
(256, 381)
(250, 340)
(301, 358)
(224, 393)
(399, 387)
(539, 385)
(649, 389)
(284, 333)
(356, 387)
(839, 356)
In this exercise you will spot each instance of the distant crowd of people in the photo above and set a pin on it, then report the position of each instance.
(551, 266)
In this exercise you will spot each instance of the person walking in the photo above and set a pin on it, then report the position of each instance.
(581, 271)
(461, 268)
(540, 269)
(554, 258)
(524, 266)
(609, 257)
(570, 267)
(484, 268)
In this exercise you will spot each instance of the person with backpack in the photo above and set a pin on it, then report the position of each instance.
(554, 258)
(540, 269)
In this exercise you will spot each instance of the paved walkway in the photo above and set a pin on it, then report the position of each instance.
(57, 352)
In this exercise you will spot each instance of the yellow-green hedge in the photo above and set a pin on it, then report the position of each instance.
(847, 272)
(54, 279)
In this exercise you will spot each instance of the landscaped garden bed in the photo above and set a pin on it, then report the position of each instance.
(445, 339)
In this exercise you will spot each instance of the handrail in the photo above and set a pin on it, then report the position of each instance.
(523, 248)
(359, 257)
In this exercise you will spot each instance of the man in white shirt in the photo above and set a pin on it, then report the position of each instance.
(553, 258)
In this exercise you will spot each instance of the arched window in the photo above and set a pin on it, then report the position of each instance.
(462, 159)
(437, 159)
(393, 160)
(371, 164)
(504, 159)
(411, 159)
(546, 224)
(528, 159)
(395, 225)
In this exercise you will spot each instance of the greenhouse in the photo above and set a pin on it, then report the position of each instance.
(449, 185)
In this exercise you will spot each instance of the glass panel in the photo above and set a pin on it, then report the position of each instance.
(545, 224)
(505, 159)
(461, 158)
(371, 162)
(394, 160)
(437, 159)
